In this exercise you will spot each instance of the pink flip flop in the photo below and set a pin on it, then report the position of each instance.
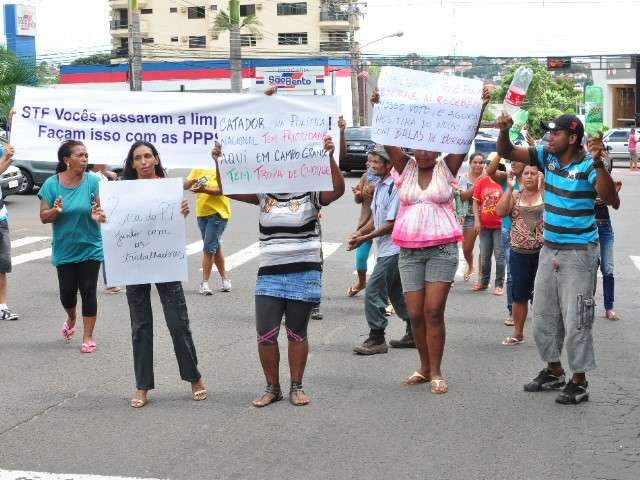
(67, 332)
(89, 347)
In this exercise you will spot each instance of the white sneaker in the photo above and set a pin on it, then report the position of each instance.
(226, 285)
(205, 289)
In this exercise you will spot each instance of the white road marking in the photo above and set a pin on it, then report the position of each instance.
(21, 242)
(636, 261)
(194, 248)
(17, 475)
(29, 257)
(232, 261)
(329, 249)
(462, 264)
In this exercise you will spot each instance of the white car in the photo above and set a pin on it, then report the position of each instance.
(10, 181)
(617, 142)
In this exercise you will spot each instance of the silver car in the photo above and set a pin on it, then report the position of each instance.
(617, 142)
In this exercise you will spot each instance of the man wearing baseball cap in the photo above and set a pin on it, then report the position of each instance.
(565, 283)
(384, 281)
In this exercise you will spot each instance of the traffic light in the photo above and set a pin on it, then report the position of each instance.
(558, 63)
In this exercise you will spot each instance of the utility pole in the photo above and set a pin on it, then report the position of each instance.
(355, 62)
(636, 91)
(235, 51)
(135, 47)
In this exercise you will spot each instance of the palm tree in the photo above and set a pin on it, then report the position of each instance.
(231, 23)
(13, 71)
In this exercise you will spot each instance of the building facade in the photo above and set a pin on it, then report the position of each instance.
(175, 29)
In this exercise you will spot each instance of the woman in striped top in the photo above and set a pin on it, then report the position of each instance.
(289, 277)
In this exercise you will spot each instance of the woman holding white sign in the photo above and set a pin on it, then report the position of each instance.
(69, 201)
(289, 278)
(428, 233)
(143, 162)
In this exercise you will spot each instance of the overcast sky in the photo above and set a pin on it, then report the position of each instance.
(67, 28)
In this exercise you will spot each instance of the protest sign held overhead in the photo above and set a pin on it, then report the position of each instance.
(426, 111)
(269, 144)
(144, 238)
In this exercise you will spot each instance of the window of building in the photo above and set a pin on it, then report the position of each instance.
(248, 40)
(173, 10)
(146, 11)
(197, 42)
(246, 10)
(213, 7)
(335, 36)
(174, 39)
(298, 8)
(215, 36)
(292, 38)
(147, 40)
(195, 12)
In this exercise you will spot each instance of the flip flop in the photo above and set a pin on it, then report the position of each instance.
(352, 292)
(511, 341)
(439, 386)
(67, 332)
(498, 291)
(416, 378)
(200, 395)
(137, 403)
(467, 276)
(89, 347)
(478, 288)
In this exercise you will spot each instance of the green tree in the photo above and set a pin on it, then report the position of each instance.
(97, 59)
(13, 71)
(548, 96)
(231, 22)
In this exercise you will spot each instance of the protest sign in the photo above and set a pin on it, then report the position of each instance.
(270, 144)
(144, 238)
(426, 111)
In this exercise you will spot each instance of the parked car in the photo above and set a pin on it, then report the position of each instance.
(10, 181)
(617, 142)
(34, 173)
(358, 144)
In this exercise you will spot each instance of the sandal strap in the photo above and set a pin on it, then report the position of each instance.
(274, 390)
(296, 387)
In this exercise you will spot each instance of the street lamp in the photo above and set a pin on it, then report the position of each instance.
(355, 74)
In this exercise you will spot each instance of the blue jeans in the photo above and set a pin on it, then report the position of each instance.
(491, 244)
(506, 248)
(605, 232)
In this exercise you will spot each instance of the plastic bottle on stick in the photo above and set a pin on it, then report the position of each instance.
(593, 106)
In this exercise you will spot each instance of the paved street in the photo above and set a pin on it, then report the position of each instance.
(68, 413)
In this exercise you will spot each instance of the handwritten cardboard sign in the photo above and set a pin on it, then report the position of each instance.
(426, 111)
(270, 144)
(144, 238)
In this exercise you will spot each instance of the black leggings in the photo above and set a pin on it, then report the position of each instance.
(269, 312)
(81, 276)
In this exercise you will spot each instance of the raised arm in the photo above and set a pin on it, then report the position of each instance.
(605, 187)
(7, 158)
(494, 173)
(506, 149)
(454, 160)
(505, 204)
(342, 125)
(336, 176)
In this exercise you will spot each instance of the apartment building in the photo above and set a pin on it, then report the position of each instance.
(183, 29)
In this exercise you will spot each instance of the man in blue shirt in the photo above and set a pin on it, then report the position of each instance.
(565, 283)
(385, 279)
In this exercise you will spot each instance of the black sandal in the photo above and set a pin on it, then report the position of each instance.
(274, 391)
(295, 388)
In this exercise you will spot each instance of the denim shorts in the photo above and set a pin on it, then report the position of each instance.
(301, 286)
(5, 247)
(211, 229)
(431, 264)
(523, 268)
(469, 222)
